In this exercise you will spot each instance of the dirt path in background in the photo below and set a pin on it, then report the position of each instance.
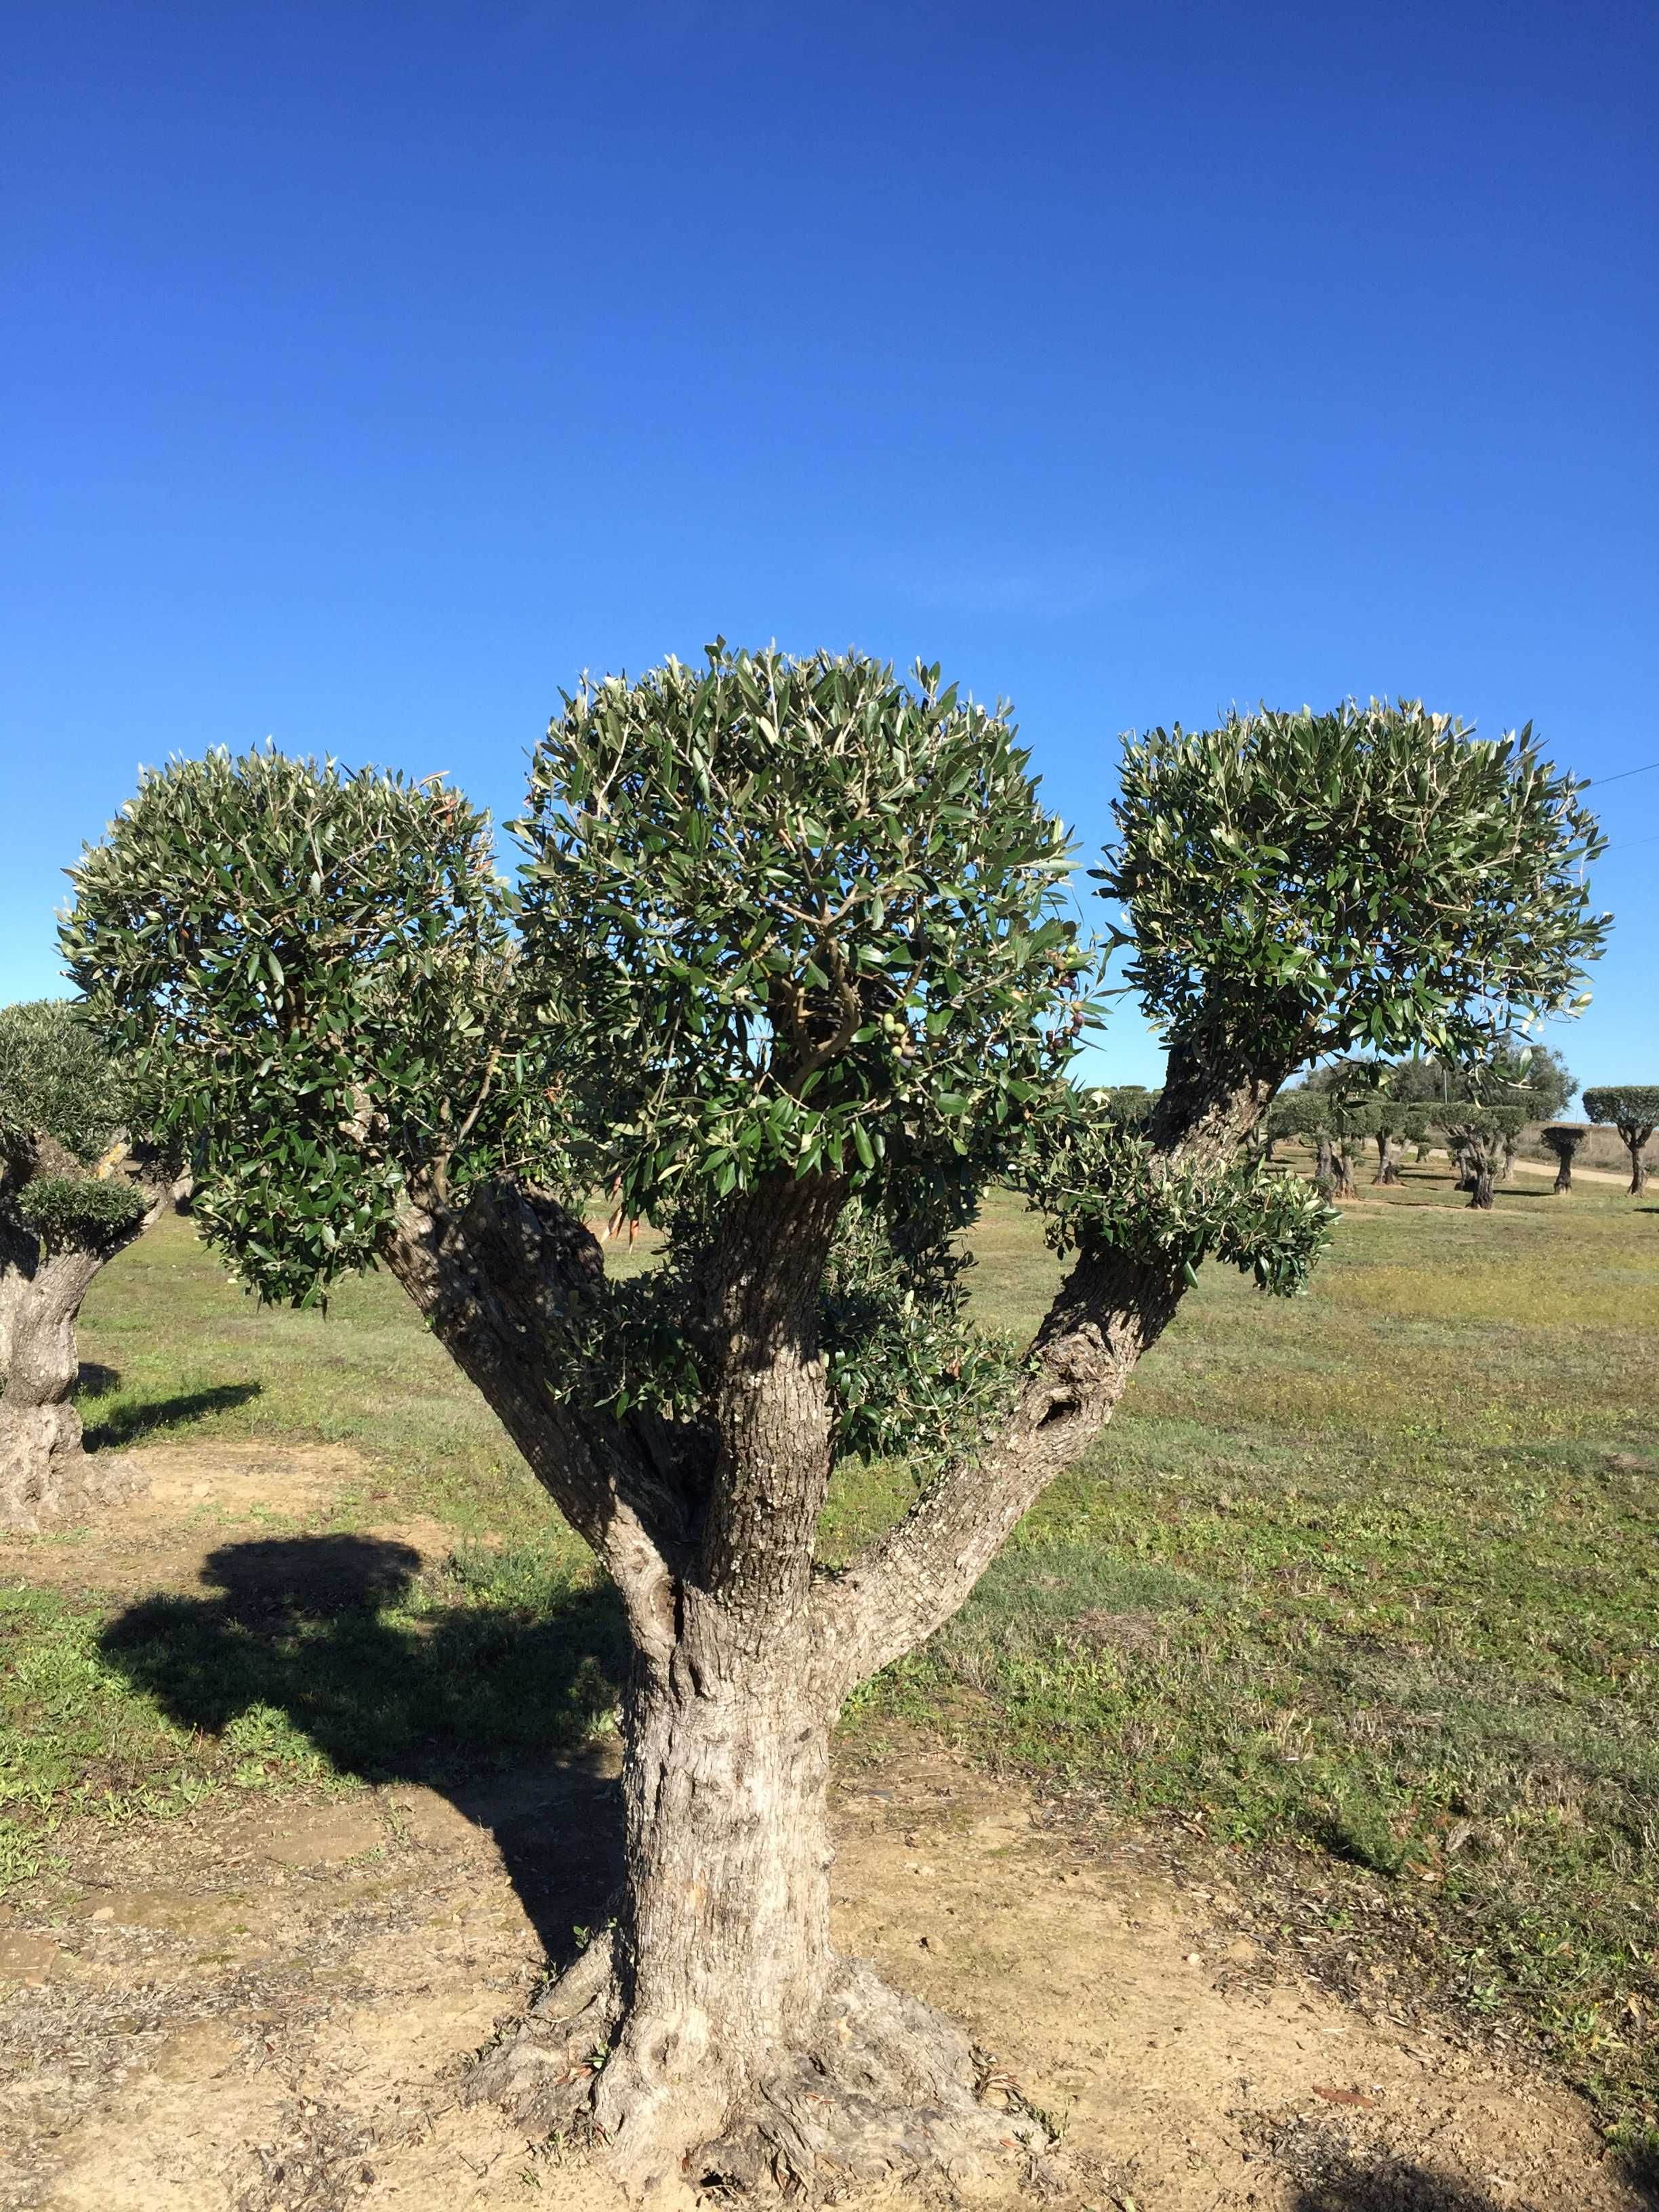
(258, 2006)
(1579, 1175)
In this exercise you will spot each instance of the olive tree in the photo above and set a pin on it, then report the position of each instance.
(1344, 1103)
(1351, 1122)
(1633, 1110)
(1481, 1138)
(788, 970)
(1563, 1139)
(75, 1190)
(1306, 1114)
(1399, 1122)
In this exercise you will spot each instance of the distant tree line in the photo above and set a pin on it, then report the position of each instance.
(1480, 1109)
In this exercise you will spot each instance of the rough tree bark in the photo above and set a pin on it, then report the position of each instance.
(1637, 1136)
(46, 1477)
(734, 2042)
(1343, 1184)
(1483, 1164)
(1387, 1160)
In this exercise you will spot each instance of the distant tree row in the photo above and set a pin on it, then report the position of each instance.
(1480, 1107)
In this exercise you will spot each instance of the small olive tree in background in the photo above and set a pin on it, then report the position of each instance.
(1305, 1115)
(75, 1190)
(1633, 1110)
(788, 970)
(1563, 1138)
(1350, 1122)
(1481, 1139)
(1399, 1122)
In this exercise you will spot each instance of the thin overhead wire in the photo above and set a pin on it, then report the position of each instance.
(1647, 768)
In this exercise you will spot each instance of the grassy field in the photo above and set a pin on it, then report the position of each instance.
(1362, 1590)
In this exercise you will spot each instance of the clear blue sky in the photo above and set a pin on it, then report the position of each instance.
(368, 370)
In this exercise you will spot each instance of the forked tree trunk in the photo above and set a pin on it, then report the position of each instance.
(1387, 1160)
(713, 2035)
(1343, 1185)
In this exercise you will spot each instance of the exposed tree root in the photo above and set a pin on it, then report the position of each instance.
(46, 1478)
(884, 2089)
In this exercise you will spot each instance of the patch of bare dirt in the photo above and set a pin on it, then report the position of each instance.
(268, 2006)
(159, 1541)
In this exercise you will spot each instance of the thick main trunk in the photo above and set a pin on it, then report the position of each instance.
(712, 2037)
(722, 1954)
(1388, 1162)
(46, 1478)
(1637, 1146)
(1564, 1172)
(1483, 1173)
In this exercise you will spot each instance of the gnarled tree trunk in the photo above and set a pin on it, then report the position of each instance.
(714, 2032)
(47, 1478)
(1483, 1164)
(1387, 1160)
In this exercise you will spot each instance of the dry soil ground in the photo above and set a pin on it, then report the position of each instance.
(258, 2006)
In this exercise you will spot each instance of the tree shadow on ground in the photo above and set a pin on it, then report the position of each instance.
(93, 1381)
(124, 1425)
(1389, 2185)
(327, 1645)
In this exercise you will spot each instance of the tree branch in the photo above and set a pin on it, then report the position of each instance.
(502, 1282)
(1109, 1310)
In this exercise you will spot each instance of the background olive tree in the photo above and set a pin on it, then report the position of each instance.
(1481, 1139)
(76, 1188)
(788, 971)
(1563, 1139)
(1399, 1122)
(1305, 1115)
(1633, 1110)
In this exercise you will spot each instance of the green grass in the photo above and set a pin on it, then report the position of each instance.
(1375, 1573)
(1369, 1579)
